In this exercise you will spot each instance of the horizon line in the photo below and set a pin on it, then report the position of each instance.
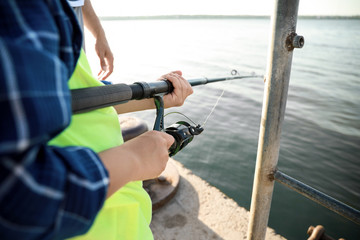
(209, 16)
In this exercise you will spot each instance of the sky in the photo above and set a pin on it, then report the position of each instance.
(219, 7)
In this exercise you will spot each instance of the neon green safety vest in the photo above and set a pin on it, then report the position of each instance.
(127, 213)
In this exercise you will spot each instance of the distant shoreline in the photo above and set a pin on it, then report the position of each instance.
(159, 17)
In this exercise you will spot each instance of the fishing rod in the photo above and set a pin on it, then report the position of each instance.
(87, 99)
(91, 98)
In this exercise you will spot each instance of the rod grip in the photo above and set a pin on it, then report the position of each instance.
(86, 99)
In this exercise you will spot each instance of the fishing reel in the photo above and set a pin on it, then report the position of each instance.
(183, 134)
(182, 131)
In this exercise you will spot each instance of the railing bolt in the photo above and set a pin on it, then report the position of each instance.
(294, 41)
(298, 41)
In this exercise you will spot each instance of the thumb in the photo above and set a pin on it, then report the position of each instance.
(169, 140)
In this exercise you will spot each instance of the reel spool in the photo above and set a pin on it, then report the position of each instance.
(183, 134)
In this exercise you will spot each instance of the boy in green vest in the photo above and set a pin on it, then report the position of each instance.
(127, 211)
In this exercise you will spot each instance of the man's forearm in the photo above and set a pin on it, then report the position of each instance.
(91, 20)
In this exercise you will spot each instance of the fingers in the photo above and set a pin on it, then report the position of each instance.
(178, 72)
(145, 156)
(182, 89)
(106, 58)
(184, 86)
(161, 138)
(157, 152)
(107, 66)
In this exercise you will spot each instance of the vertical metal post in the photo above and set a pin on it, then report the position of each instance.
(282, 41)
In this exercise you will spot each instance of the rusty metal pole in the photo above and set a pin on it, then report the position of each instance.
(282, 42)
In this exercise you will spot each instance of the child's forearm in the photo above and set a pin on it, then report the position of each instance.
(141, 158)
(135, 105)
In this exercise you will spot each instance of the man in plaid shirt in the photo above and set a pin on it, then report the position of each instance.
(42, 190)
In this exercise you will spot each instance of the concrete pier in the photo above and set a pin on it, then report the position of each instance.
(201, 212)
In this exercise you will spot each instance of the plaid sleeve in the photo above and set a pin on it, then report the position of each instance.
(45, 192)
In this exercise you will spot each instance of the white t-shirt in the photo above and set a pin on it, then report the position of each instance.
(76, 3)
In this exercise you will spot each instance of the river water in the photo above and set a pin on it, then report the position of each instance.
(320, 141)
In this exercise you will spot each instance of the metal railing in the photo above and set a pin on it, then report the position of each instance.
(319, 197)
(282, 42)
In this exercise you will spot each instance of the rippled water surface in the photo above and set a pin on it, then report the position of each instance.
(320, 142)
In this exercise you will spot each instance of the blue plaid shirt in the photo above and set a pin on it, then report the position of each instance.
(45, 192)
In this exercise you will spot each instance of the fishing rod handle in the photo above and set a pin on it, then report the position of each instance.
(87, 99)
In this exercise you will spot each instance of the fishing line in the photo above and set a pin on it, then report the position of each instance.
(233, 72)
(181, 115)
(208, 116)
(213, 108)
